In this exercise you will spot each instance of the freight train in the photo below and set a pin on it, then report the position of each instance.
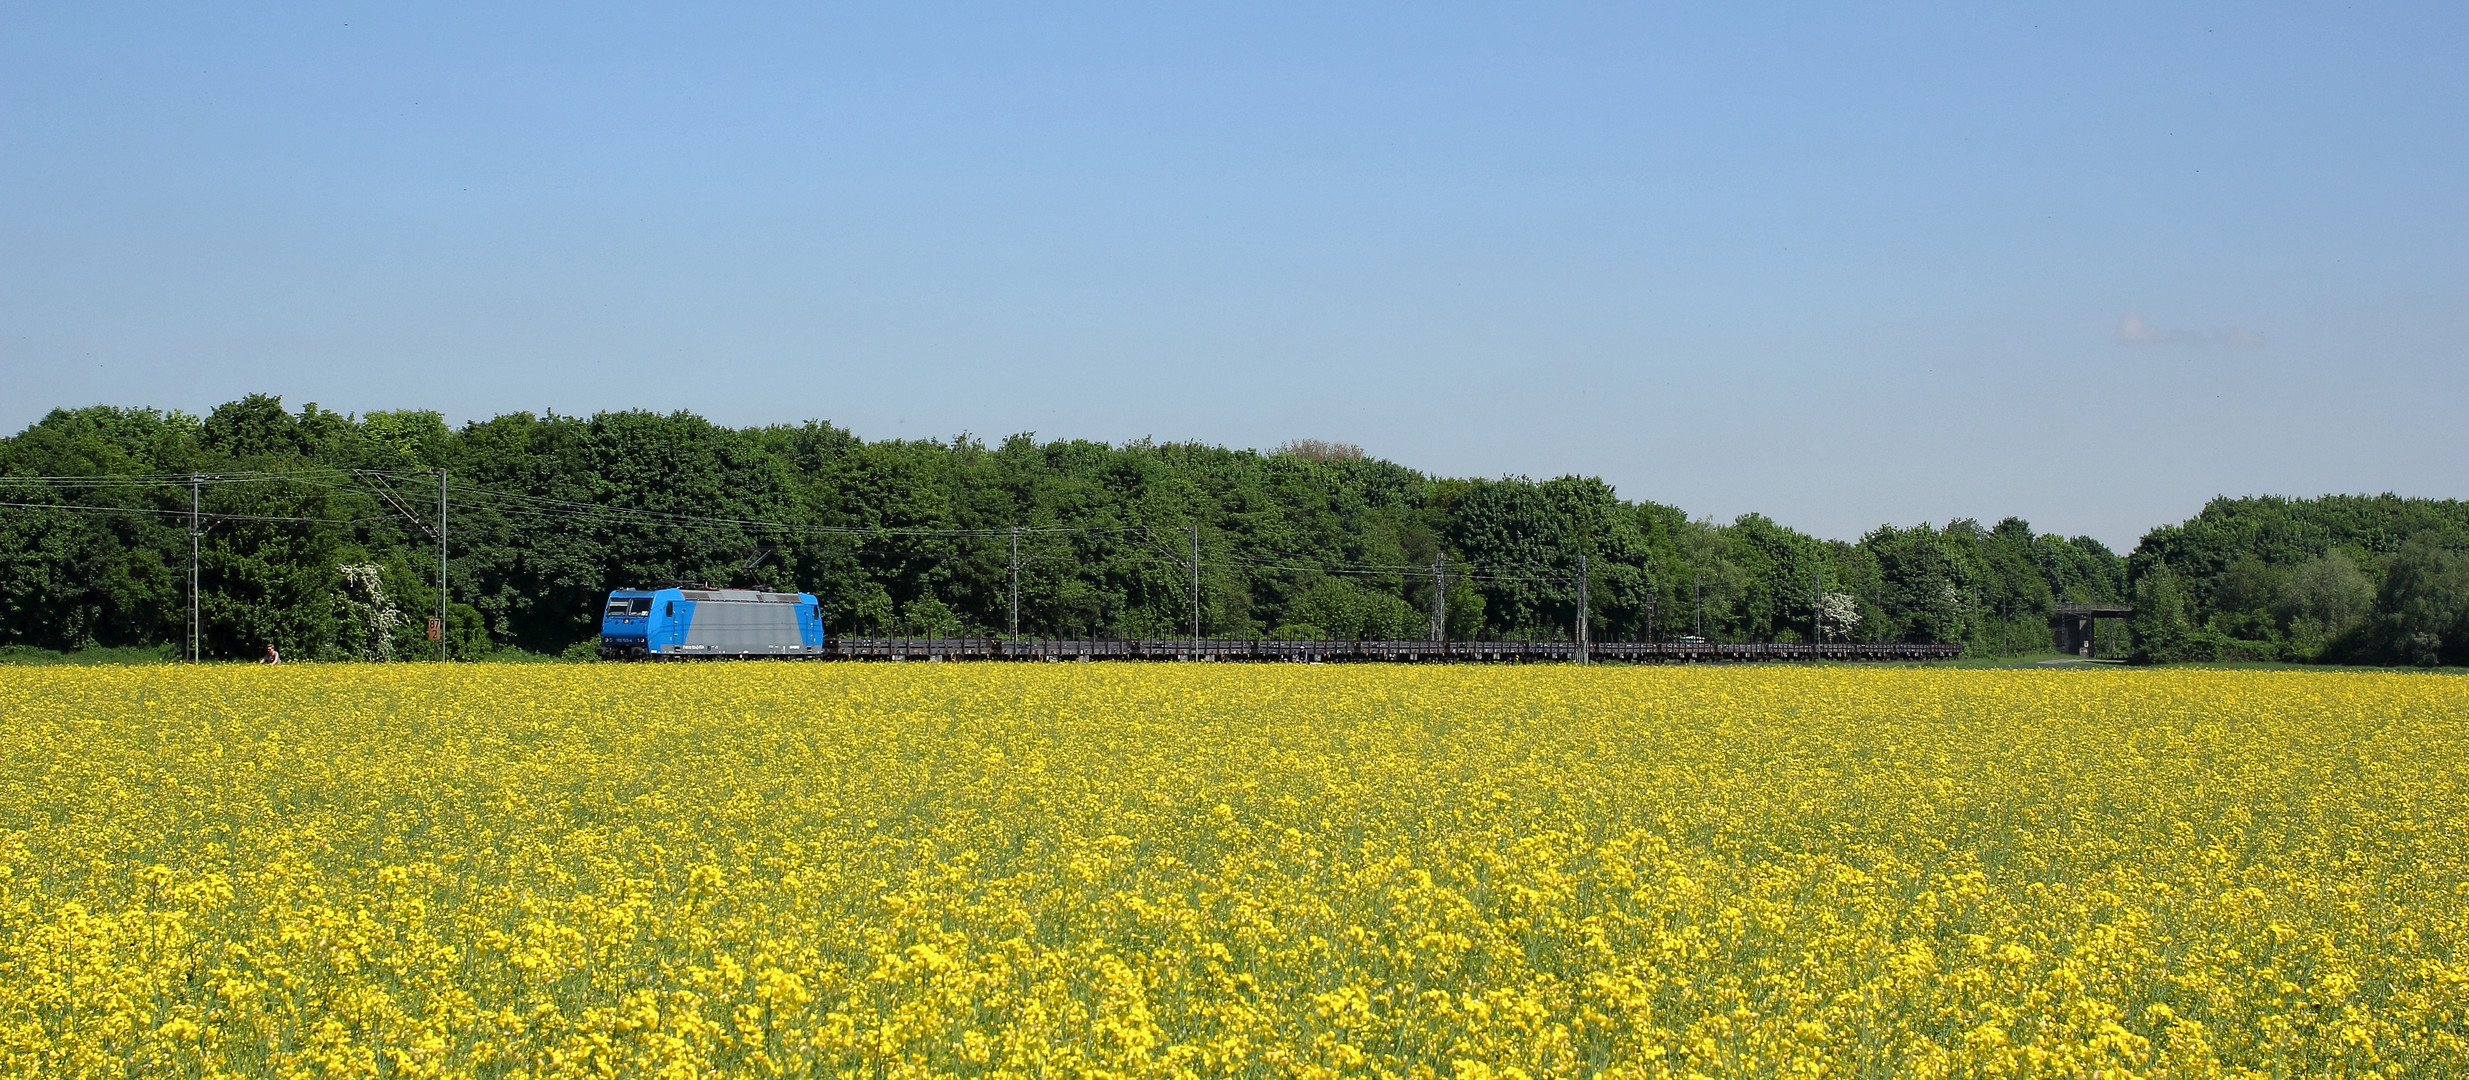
(700, 623)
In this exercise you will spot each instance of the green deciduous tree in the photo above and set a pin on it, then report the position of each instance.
(2421, 613)
(548, 512)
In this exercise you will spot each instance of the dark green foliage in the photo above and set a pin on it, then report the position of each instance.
(2360, 579)
(2421, 614)
(1292, 545)
(2164, 628)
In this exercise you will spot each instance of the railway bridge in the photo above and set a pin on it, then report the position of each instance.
(2071, 625)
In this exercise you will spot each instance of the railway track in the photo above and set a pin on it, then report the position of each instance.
(1393, 652)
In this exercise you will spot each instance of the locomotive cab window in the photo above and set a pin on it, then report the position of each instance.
(641, 605)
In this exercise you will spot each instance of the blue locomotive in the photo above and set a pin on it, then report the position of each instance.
(664, 623)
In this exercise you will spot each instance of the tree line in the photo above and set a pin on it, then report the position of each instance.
(321, 541)
(2343, 578)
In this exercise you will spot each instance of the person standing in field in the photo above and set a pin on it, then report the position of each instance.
(271, 657)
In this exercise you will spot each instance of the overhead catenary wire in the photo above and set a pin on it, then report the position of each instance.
(544, 508)
(1461, 571)
(1456, 571)
(148, 479)
(549, 505)
(498, 515)
(547, 508)
(534, 506)
(517, 506)
(208, 515)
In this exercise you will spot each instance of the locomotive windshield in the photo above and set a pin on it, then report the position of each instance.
(637, 605)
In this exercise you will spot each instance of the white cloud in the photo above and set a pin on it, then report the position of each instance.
(2133, 330)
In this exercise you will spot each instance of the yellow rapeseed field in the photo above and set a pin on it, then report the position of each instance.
(1211, 870)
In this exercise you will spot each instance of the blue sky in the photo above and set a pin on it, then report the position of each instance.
(2088, 264)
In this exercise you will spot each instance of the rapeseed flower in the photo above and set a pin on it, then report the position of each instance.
(1209, 870)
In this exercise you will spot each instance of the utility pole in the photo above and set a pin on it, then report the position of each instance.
(1195, 586)
(1581, 609)
(1440, 598)
(1654, 588)
(441, 562)
(1817, 608)
(194, 655)
(1015, 583)
(1698, 587)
